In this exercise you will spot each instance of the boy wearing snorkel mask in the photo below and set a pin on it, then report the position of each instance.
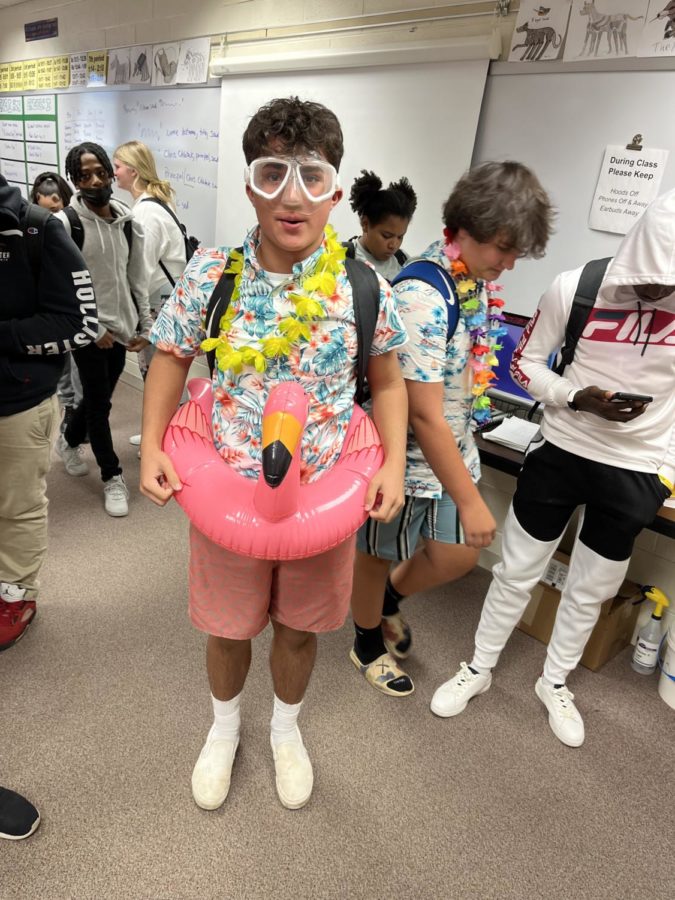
(111, 242)
(293, 150)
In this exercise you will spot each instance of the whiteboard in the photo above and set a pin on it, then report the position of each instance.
(414, 120)
(179, 126)
(559, 124)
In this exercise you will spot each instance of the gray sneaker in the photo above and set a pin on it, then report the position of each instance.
(71, 457)
(116, 496)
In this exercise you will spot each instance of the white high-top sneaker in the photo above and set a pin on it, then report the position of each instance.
(116, 496)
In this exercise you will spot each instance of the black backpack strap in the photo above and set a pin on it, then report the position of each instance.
(167, 274)
(183, 231)
(76, 229)
(218, 304)
(582, 304)
(584, 300)
(350, 248)
(366, 298)
(401, 257)
(33, 225)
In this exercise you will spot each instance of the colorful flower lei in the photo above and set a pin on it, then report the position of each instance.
(294, 328)
(484, 326)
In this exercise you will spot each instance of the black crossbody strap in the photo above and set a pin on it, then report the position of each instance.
(218, 304)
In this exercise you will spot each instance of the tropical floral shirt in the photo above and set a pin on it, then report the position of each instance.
(429, 356)
(325, 366)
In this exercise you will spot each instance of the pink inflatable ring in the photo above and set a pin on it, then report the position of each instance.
(273, 517)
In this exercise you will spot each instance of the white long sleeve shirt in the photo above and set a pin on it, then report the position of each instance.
(628, 345)
(163, 242)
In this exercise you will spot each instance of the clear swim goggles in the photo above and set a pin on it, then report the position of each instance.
(268, 176)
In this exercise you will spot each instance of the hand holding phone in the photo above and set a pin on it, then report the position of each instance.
(621, 397)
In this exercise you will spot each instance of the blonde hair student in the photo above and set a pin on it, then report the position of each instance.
(136, 172)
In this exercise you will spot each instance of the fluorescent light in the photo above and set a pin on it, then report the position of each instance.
(485, 46)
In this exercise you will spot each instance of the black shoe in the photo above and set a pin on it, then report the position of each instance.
(18, 817)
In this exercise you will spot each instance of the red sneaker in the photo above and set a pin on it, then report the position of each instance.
(14, 619)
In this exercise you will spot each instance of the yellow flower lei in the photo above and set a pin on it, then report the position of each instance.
(291, 330)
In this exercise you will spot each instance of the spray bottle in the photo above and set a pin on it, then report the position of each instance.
(646, 652)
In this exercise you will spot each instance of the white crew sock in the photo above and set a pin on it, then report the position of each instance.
(11, 593)
(226, 718)
(284, 721)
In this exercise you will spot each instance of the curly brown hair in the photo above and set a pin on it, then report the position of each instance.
(299, 125)
(502, 199)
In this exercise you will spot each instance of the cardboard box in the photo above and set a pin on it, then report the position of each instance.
(613, 630)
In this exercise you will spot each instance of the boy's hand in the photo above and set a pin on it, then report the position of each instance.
(106, 342)
(384, 498)
(478, 524)
(138, 343)
(158, 476)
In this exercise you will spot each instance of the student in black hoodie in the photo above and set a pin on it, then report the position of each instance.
(43, 314)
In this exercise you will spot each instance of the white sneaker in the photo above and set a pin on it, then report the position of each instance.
(135, 439)
(116, 496)
(294, 775)
(213, 771)
(563, 716)
(71, 457)
(452, 697)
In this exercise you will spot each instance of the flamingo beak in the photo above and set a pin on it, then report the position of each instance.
(281, 434)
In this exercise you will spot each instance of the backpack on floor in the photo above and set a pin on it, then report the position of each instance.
(366, 297)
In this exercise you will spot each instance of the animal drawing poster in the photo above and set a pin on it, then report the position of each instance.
(141, 61)
(604, 29)
(540, 30)
(119, 66)
(193, 63)
(658, 35)
(165, 64)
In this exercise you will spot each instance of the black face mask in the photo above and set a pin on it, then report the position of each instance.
(97, 196)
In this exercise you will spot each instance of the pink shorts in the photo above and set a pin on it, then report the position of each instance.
(234, 596)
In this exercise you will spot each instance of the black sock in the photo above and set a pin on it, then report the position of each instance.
(368, 643)
(392, 598)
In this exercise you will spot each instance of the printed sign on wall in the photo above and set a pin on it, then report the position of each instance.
(629, 181)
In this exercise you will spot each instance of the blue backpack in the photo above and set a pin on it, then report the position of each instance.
(435, 275)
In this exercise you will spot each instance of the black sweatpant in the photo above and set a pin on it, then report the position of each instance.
(99, 373)
(619, 502)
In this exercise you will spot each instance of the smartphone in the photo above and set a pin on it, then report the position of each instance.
(620, 397)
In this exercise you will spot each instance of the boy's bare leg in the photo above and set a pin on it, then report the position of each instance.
(227, 664)
(370, 577)
(292, 658)
(432, 565)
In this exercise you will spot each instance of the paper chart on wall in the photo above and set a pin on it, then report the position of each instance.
(186, 153)
(658, 35)
(540, 30)
(193, 63)
(604, 29)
